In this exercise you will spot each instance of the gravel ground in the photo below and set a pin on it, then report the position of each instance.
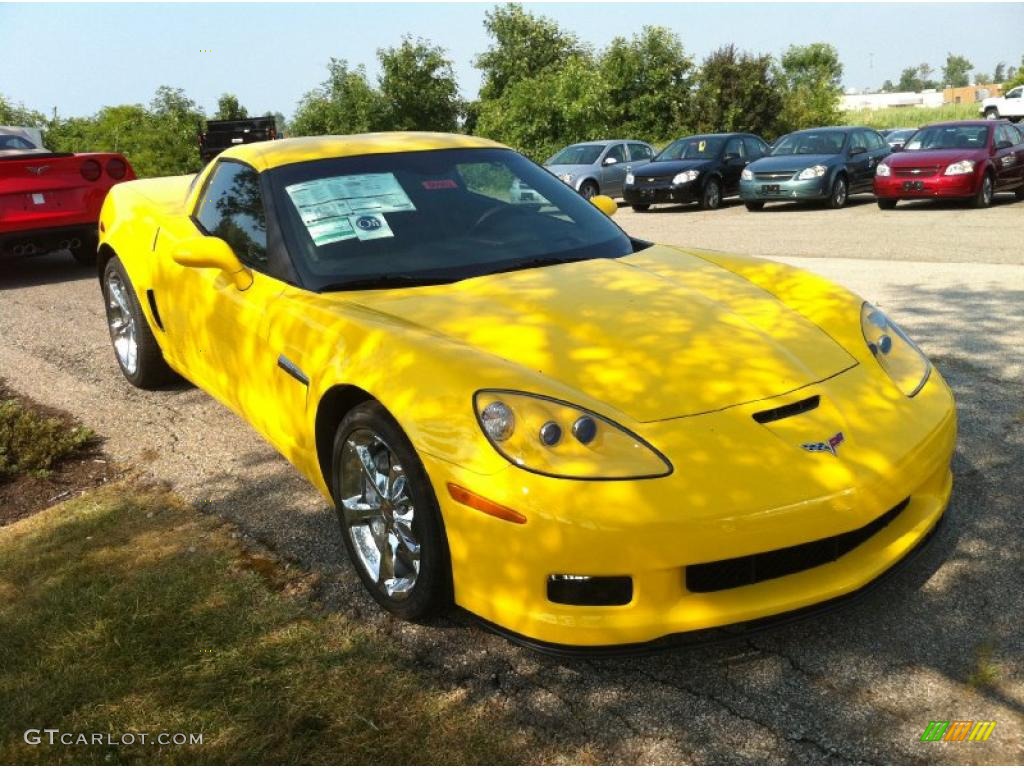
(939, 640)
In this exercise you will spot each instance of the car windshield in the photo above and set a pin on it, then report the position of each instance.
(811, 143)
(577, 154)
(900, 135)
(948, 137)
(417, 218)
(692, 148)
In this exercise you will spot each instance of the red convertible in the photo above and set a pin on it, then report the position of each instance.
(968, 160)
(51, 200)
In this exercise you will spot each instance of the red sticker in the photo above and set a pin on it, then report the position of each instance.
(440, 184)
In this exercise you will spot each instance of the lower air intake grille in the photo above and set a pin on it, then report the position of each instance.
(752, 569)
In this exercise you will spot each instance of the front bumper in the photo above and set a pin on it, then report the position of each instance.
(939, 186)
(652, 530)
(757, 190)
(662, 193)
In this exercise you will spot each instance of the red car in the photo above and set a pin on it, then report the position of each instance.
(50, 200)
(970, 160)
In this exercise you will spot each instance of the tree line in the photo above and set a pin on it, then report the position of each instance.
(957, 72)
(542, 88)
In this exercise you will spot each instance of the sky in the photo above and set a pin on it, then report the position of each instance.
(79, 57)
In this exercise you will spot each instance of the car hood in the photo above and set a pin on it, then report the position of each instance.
(919, 158)
(656, 335)
(575, 170)
(791, 162)
(671, 167)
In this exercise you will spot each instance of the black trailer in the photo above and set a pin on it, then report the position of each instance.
(222, 134)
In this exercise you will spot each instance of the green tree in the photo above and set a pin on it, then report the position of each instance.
(887, 86)
(1000, 73)
(910, 80)
(524, 47)
(982, 78)
(228, 108)
(19, 114)
(649, 79)
(418, 87)
(1015, 75)
(738, 92)
(812, 77)
(957, 72)
(344, 103)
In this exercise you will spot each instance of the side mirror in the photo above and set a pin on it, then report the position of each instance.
(610, 161)
(858, 151)
(213, 253)
(604, 204)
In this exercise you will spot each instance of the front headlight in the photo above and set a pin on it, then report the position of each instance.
(685, 177)
(959, 169)
(567, 178)
(629, 178)
(899, 357)
(883, 170)
(747, 175)
(558, 439)
(814, 172)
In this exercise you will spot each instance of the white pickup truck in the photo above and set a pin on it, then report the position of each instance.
(1010, 106)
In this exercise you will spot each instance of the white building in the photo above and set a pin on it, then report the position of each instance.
(854, 101)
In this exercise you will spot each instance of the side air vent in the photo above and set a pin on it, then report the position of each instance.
(151, 297)
(785, 411)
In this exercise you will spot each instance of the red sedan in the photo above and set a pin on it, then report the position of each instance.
(970, 160)
(50, 200)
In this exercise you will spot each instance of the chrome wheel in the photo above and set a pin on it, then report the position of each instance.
(378, 513)
(712, 195)
(986, 190)
(839, 193)
(121, 323)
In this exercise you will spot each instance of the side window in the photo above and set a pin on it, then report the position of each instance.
(735, 147)
(860, 139)
(231, 208)
(875, 141)
(755, 149)
(640, 152)
(1005, 133)
(1016, 93)
(618, 151)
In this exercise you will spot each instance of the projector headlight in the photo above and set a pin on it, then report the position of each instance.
(814, 172)
(685, 177)
(558, 439)
(883, 170)
(747, 175)
(899, 357)
(961, 168)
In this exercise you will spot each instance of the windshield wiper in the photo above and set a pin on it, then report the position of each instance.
(384, 281)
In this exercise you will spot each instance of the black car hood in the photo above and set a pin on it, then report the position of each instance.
(672, 167)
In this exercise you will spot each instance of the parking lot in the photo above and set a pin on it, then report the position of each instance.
(940, 639)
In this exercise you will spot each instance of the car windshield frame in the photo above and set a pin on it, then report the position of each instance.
(444, 239)
(799, 134)
(930, 131)
(558, 159)
(716, 146)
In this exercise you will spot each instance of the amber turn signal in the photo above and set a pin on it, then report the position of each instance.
(486, 506)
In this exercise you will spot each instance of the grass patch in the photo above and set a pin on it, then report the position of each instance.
(124, 611)
(32, 442)
(910, 117)
(986, 671)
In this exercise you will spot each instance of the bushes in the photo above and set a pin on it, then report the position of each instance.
(33, 443)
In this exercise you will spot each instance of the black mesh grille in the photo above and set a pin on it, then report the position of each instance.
(741, 571)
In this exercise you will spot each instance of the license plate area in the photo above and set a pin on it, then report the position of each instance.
(770, 188)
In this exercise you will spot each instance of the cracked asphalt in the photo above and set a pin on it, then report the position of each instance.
(939, 640)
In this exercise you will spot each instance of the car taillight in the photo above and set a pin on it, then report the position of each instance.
(116, 168)
(91, 170)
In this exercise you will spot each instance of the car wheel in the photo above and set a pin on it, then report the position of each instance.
(840, 191)
(137, 351)
(1020, 192)
(85, 253)
(755, 206)
(887, 205)
(983, 198)
(588, 189)
(712, 196)
(991, 113)
(642, 207)
(389, 517)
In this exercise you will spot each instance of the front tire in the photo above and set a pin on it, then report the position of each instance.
(642, 207)
(711, 198)
(839, 194)
(589, 189)
(137, 351)
(390, 519)
(755, 206)
(887, 205)
(983, 198)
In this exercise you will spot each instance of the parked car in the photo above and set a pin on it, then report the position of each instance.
(827, 164)
(968, 160)
(51, 201)
(897, 137)
(598, 167)
(219, 135)
(457, 375)
(1010, 106)
(704, 169)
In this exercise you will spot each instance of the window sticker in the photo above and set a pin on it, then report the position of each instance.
(440, 184)
(702, 146)
(333, 208)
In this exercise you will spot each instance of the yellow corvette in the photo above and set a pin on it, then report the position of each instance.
(583, 438)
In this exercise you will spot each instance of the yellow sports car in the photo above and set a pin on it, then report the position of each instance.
(583, 438)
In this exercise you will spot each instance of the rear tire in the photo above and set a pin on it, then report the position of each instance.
(588, 189)
(983, 198)
(413, 577)
(991, 113)
(753, 207)
(887, 205)
(137, 352)
(711, 197)
(840, 193)
(642, 207)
